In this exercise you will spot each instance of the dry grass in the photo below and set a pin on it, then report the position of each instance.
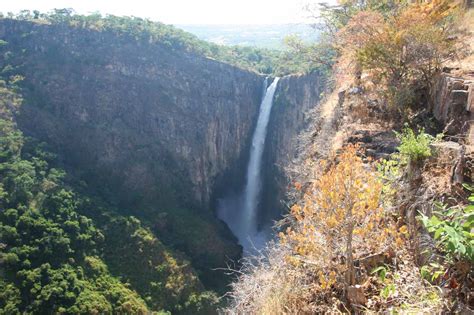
(270, 285)
(267, 285)
(465, 60)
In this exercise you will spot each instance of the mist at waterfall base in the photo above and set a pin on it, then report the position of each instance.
(240, 210)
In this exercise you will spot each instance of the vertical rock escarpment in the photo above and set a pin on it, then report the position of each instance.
(154, 130)
(453, 102)
(147, 127)
(147, 124)
(295, 97)
(453, 107)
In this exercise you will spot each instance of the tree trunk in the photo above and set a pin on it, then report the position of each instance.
(350, 274)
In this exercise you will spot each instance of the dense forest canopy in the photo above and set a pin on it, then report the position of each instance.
(59, 247)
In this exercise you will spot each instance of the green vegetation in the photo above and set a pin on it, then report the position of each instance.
(265, 61)
(301, 57)
(47, 246)
(62, 251)
(452, 229)
(415, 147)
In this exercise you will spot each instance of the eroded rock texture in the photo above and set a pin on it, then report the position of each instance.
(295, 97)
(141, 121)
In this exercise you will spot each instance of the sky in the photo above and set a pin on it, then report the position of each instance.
(180, 11)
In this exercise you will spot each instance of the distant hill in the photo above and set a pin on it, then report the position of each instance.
(263, 36)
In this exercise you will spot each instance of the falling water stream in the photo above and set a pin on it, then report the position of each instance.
(240, 212)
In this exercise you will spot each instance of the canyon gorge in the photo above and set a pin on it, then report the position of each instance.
(160, 133)
(146, 171)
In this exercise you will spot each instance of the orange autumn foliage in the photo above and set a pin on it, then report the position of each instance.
(402, 51)
(340, 215)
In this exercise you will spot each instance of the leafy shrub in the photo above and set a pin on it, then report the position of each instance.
(301, 57)
(415, 147)
(338, 222)
(341, 214)
(453, 229)
(402, 51)
(389, 172)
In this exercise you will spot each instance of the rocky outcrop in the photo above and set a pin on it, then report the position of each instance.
(296, 95)
(149, 124)
(453, 103)
(453, 107)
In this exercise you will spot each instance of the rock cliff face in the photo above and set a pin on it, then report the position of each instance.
(149, 124)
(157, 131)
(453, 102)
(151, 129)
(453, 106)
(295, 97)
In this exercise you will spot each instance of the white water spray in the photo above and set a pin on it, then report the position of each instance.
(244, 222)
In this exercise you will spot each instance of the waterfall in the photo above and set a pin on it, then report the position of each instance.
(254, 177)
(241, 212)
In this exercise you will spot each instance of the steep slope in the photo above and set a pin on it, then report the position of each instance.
(295, 98)
(63, 251)
(377, 191)
(147, 126)
(149, 131)
(119, 106)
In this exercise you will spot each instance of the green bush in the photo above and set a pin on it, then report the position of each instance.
(415, 147)
(452, 229)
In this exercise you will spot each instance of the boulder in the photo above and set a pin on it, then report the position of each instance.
(470, 99)
(452, 100)
(459, 97)
(356, 295)
(451, 154)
